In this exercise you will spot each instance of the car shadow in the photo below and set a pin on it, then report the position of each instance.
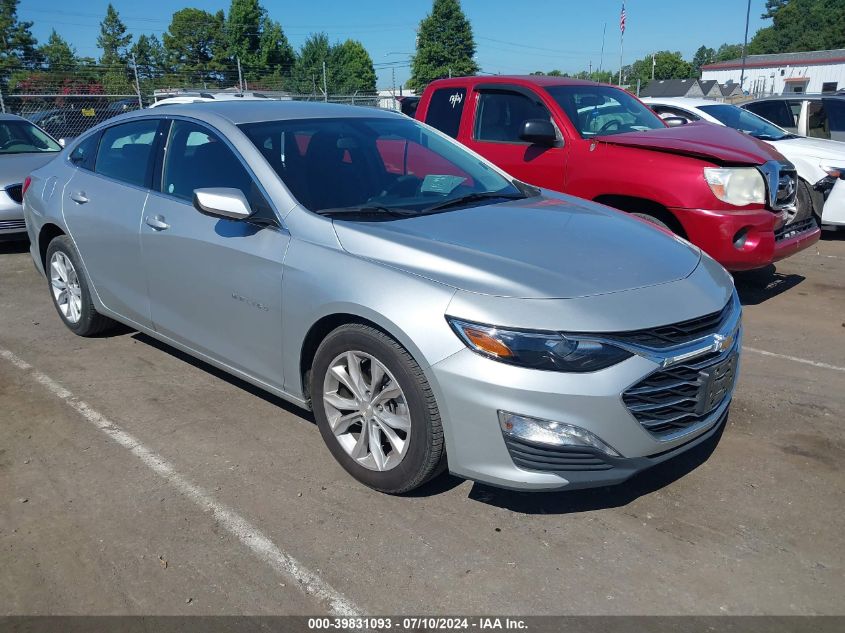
(604, 498)
(11, 247)
(222, 375)
(833, 235)
(757, 286)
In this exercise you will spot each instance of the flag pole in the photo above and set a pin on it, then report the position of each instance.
(601, 59)
(622, 19)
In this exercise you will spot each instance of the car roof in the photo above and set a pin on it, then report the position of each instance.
(798, 96)
(537, 80)
(682, 101)
(12, 117)
(258, 110)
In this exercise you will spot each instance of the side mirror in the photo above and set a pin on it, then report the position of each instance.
(675, 121)
(539, 132)
(222, 202)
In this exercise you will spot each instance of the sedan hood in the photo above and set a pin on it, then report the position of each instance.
(15, 167)
(544, 247)
(716, 143)
(821, 148)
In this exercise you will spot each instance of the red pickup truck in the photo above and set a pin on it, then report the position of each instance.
(726, 192)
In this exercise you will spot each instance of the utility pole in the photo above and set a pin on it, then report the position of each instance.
(653, 64)
(2, 103)
(745, 46)
(240, 75)
(601, 59)
(590, 72)
(137, 83)
(325, 84)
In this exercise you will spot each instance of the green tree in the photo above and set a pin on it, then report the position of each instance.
(243, 31)
(194, 44)
(728, 51)
(17, 45)
(802, 25)
(275, 54)
(113, 38)
(667, 65)
(445, 45)
(352, 69)
(57, 54)
(772, 7)
(307, 75)
(703, 55)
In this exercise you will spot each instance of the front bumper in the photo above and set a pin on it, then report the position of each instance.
(12, 223)
(473, 389)
(715, 232)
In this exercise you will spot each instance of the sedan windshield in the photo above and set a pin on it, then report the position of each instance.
(378, 167)
(604, 110)
(22, 137)
(745, 121)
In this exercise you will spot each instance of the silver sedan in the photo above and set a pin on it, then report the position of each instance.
(433, 312)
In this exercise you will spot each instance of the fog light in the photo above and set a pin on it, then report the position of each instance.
(740, 238)
(550, 432)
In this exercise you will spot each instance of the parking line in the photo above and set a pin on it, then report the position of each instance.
(795, 359)
(249, 535)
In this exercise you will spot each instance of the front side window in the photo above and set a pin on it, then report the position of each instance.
(604, 110)
(500, 115)
(375, 164)
(125, 151)
(776, 111)
(445, 109)
(745, 121)
(196, 158)
(22, 137)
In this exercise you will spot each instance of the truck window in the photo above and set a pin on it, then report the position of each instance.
(776, 111)
(500, 116)
(445, 110)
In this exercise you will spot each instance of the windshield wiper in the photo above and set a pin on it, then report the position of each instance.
(367, 210)
(469, 198)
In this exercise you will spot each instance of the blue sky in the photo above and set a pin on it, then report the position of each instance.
(511, 36)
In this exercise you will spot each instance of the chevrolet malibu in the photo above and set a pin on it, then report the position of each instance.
(432, 311)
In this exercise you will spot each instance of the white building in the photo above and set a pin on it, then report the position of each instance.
(784, 73)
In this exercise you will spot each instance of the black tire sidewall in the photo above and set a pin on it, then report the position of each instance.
(64, 245)
(409, 473)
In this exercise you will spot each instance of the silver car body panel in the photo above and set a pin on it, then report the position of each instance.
(244, 298)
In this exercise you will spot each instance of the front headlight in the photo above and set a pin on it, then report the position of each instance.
(538, 350)
(834, 172)
(738, 186)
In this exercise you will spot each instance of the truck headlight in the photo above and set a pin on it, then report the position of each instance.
(538, 350)
(738, 186)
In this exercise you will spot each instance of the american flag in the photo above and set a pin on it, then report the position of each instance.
(622, 18)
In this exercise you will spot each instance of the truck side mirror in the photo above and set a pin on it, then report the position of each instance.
(539, 132)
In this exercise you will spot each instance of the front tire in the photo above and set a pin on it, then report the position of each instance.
(70, 290)
(375, 410)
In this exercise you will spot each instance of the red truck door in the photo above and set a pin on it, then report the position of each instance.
(497, 114)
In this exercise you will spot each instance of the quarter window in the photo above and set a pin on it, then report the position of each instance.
(445, 109)
(125, 151)
(501, 116)
(196, 158)
(83, 155)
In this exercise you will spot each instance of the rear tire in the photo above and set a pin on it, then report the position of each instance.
(70, 290)
(375, 410)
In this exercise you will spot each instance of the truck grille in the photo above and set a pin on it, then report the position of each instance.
(678, 397)
(787, 181)
(781, 184)
(15, 192)
(12, 225)
(677, 333)
(795, 228)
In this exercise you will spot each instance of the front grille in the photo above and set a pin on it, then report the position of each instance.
(12, 225)
(553, 458)
(677, 333)
(795, 228)
(15, 192)
(676, 398)
(787, 187)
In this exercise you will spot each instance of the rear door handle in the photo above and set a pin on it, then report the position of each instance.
(79, 197)
(156, 222)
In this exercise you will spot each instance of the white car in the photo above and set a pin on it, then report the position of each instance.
(820, 162)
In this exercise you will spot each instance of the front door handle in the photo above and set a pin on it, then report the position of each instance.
(156, 222)
(79, 197)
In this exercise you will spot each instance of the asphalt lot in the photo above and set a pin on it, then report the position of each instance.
(136, 480)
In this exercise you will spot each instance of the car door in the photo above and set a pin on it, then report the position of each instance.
(215, 284)
(497, 124)
(102, 204)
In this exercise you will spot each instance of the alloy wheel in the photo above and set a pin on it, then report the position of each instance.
(367, 410)
(64, 282)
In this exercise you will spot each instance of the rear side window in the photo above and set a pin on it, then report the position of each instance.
(500, 116)
(836, 116)
(125, 151)
(84, 154)
(445, 110)
(818, 125)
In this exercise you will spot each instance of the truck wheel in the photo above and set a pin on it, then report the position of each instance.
(653, 220)
(375, 410)
(70, 290)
